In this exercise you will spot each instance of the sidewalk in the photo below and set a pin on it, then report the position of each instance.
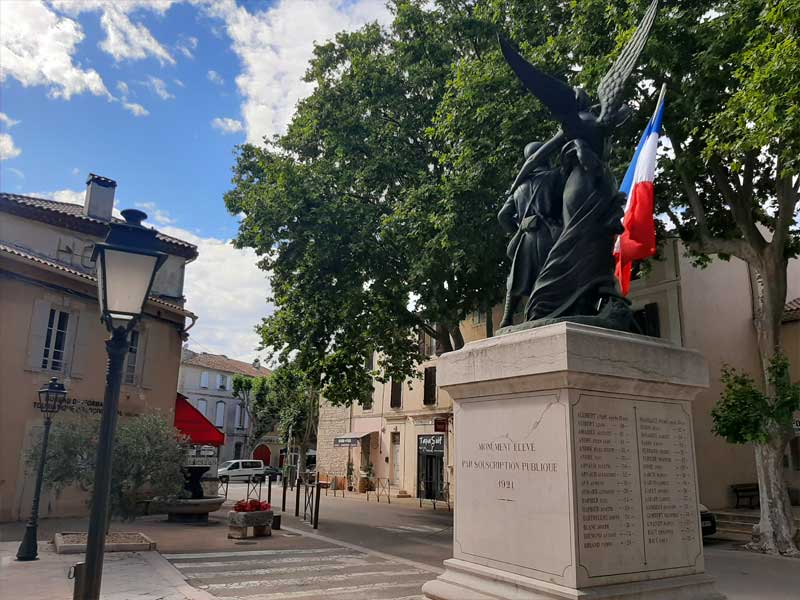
(126, 575)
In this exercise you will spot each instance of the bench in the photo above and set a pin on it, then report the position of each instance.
(748, 491)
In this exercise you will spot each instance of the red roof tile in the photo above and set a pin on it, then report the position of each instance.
(71, 216)
(47, 262)
(220, 362)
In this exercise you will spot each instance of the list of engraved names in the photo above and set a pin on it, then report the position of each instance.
(636, 492)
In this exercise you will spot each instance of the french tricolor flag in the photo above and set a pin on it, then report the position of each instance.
(638, 241)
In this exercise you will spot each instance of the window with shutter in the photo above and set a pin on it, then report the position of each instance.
(237, 419)
(204, 379)
(219, 416)
(429, 392)
(55, 341)
(396, 400)
(202, 406)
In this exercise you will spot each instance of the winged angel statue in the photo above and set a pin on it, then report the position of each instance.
(564, 219)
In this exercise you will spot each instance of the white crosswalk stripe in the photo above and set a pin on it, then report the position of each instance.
(310, 574)
(415, 529)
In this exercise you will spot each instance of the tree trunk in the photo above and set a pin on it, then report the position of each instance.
(775, 531)
(443, 343)
(458, 338)
(489, 321)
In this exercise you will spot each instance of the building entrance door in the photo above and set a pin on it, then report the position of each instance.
(262, 453)
(430, 466)
(395, 458)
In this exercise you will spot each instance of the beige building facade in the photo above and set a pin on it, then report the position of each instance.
(50, 327)
(710, 310)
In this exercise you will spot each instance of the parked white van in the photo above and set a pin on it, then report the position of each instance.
(240, 470)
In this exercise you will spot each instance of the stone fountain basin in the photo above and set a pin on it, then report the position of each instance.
(186, 506)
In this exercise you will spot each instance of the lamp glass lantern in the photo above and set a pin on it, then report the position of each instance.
(52, 397)
(127, 263)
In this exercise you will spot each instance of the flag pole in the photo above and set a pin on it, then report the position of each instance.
(660, 100)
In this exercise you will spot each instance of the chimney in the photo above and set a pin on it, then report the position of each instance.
(256, 363)
(99, 201)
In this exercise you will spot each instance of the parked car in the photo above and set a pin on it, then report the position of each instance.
(272, 473)
(708, 522)
(240, 470)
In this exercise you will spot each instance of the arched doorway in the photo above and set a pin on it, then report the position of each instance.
(262, 453)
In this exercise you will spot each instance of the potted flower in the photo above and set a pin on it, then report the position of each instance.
(250, 513)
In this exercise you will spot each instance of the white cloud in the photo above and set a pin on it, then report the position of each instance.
(37, 48)
(228, 292)
(274, 47)
(7, 121)
(227, 125)
(215, 77)
(178, 82)
(159, 87)
(123, 88)
(136, 109)
(7, 147)
(156, 214)
(187, 45)
(76, 171)
(125, 40)
(16, 172)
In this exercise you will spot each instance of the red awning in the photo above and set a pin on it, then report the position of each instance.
(190, 421)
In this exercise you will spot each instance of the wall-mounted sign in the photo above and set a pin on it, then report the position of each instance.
(346, 441)
(85, 406)
(440, 425)
(431, 443)
(271, 439)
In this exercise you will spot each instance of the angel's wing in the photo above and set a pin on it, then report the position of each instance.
(610, 89)
(554, 93)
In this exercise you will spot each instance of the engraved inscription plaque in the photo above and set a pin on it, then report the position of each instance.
(635, 482)
(511, 468)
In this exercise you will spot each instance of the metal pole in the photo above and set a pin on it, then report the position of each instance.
(316, 506)
(29, 549)
(297, 499)
(117, 347)
(269, 489)
(285, 485)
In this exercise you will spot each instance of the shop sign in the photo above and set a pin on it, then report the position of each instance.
(432, 443)
(85, 406)
(346, 441)
(440, 425)
(271, 439)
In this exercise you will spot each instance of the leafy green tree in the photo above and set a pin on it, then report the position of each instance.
(288, 400)
(243, 389)
(747, 415)
(147, 459)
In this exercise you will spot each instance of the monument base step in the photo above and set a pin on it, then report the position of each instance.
(467, 581)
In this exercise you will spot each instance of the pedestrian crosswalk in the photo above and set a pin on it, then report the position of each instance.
(302, 574)
(427, 529)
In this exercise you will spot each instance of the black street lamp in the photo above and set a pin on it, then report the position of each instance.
(126, 266)
(51, 399)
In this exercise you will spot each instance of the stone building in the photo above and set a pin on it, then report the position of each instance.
(50, 327)
(710, 310)
(206, 380)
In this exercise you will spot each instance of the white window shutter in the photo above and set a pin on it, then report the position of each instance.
(37, 333)
(69, 343)
(204, 379)
(148, 358)
(80, 349)
(219, 381)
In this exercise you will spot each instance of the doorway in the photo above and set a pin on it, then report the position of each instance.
(430, 466)
(263, 453)
(396, 458)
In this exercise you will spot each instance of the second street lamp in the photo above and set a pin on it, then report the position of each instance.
(51, 399)
(126, 267)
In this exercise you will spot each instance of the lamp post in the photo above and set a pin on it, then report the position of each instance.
(51, 399)
(126, 266)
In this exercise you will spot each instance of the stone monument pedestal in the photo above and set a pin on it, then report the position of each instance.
(575, 468)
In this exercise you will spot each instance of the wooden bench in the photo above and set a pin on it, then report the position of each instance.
(748, 491)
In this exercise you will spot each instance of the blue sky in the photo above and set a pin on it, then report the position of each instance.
(156, 94)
